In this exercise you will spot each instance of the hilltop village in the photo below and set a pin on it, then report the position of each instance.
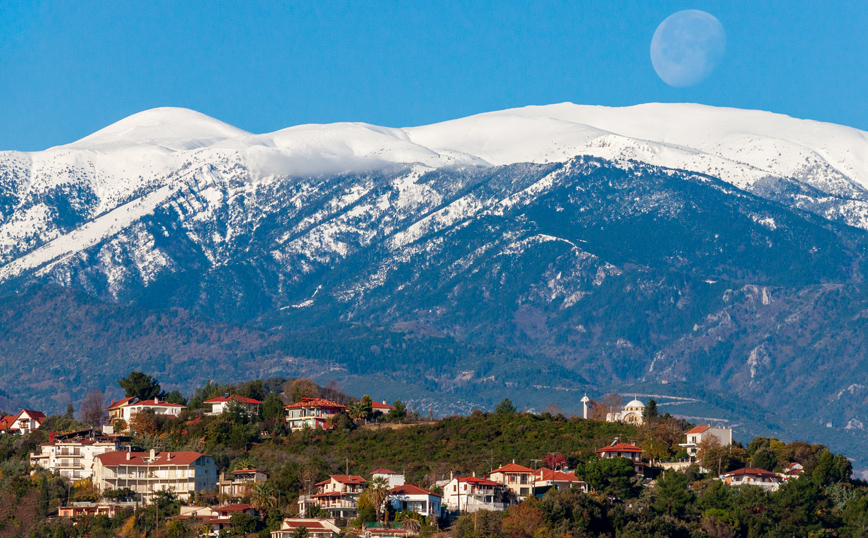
(288, 458)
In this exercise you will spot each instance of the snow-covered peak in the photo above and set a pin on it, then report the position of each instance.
(175, 129)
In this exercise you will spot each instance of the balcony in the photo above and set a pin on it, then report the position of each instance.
(74, 464)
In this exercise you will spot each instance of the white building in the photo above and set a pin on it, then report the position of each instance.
(241, 483)
(25, 421)
(339, 495)
(633, 413)
(471, 494)
(146, 473)
(316, 528)
(218, 405)
(517, 478)
(394, 479)
(416, 499)
(73, 459)
(697, 435)
(127, 408)
(753, 477)
(547, 478)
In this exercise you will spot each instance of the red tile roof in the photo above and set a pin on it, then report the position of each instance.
(309, 524)
(409, 489)
(751, 472)
(6, 422)
(479, 481)
(698, 429)
(35, 415)
(620, 447)
(382, 406)
(347, 479)
(383, 471)
(512, 468)
(233, 397)
(155, 403)
(315, 402)
(557, 476)
(121, 403)
(138, 458)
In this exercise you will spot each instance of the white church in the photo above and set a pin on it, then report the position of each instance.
(633, 413)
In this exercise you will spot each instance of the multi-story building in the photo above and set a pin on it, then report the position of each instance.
(391, 477)
(242, 481)
(119, 410)
(218, 405)
(146, 473)
(697, 435)
(25, 421)
(469, 494)
(339, 495)
(73, 458)
(312, 412)
(127, 408)
(516, 478)
(624, 450)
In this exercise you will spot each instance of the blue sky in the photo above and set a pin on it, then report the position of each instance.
(70, 68)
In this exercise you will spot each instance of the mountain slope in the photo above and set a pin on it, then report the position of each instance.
(575, 248)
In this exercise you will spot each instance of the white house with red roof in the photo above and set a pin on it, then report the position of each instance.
(315, 527)
(127, 408)
(312, 413)
(416, 499)
(469, 494)
(146, 473)
(516, 478)
(624, 450)
(216, 519)
(73, 458)
(548, 479)
(394, 479)
(753, 477)
(25, 421)
(697, 435)
(241, 483)
(218, 405)
(382, 407)
(793, 470)
(339, 495)
(119, 410)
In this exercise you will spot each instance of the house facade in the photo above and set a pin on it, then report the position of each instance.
(26, 421)
(127, 408)
(416, 499)
(339, 495)
(312, 413)
(753, 477)
(469, 494)
(74, 458)
(241, 483)
(624, 450)
(697, 435)
(546, 479)
(394, 479)
(146, 473)
(516, 478)
(219, 405)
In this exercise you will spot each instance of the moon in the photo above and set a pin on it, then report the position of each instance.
(686, 47)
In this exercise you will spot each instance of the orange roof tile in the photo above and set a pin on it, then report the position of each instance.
(512, 468)
(698, 429)
(121, 403)
(315, 402)
(620, 447)
(138, 458)
(409, 489)
(233, 397)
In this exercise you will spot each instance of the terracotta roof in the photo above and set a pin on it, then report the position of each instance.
(6, 422)
(309, 524)
(750, 471)
(155, 403)
(479, 481)
(249, 471)
(620, 447)
(233, 397)
(409, 489)
(512, 468)
(557, 476)
(347, 478)
(138, 458)
(381, 406)
(383, 471)
(35, 415)
(698, 429)
(121, 403)
(315, 402)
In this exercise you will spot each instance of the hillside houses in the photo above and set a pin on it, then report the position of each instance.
(146, 473)
(73, 456)
(312, 413)
(24, 422)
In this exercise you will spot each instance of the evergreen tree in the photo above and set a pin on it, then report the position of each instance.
(141, 386)
(505, 407)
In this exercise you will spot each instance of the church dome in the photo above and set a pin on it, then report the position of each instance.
(635, 403)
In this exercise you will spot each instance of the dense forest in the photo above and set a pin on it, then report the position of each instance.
(824, 501)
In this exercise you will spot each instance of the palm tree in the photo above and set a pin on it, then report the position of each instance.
(357, 411)
(412, 525)
(379, 492)
(262, 496)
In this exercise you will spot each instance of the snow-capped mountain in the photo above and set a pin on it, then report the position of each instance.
(663, 242)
